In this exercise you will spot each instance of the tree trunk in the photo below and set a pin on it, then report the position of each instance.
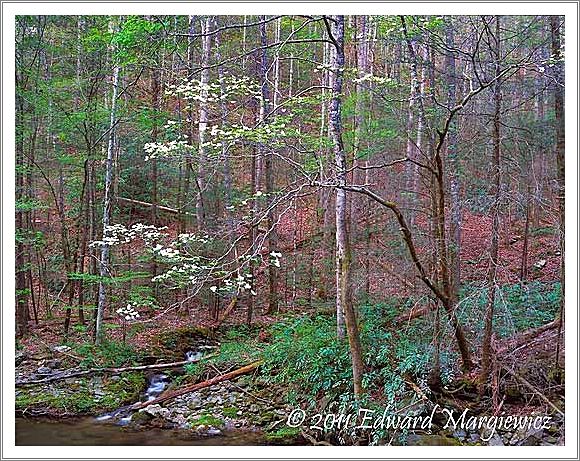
(268, 168)
(343, 257)
(22, 310)
(361, 206)
(555, 26)
(201, 202)
(524, 259)
(187, 166)
(414, 146)
(486, 353)
(453, 168)
(104, 270)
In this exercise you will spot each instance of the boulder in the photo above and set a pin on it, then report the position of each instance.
(495, 441)
(157, 411)
(20, 357)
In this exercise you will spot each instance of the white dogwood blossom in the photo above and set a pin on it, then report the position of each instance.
(129, 312)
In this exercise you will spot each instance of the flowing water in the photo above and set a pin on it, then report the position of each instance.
(122, 416)
(112, 428)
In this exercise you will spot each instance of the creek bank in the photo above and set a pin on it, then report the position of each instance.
(247, 404)
(241, 405)
(223, 408)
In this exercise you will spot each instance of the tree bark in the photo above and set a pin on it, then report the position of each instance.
(344, 305)
(187, 166)
(268, 169)
(453, 168)
(486, 352)
(201, 202)
(104, 270)
(560, 155)
(22, 310)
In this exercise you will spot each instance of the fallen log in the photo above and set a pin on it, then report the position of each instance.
(195, 387)
(521, 339)
(150, 205)
(415, 312)
(110, 370)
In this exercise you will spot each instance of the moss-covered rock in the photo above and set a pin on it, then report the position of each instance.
(81, 396)
(284, 436)
(206, 420)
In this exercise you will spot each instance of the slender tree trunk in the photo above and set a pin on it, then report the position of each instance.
(104, 270)
(414, 146)
(22, 309)
(555, 26)
(344, 304)
(187, 167)
(268, 169)
(156, 105)
(453, 168)
(486, 353)
(440, 209)
(202, 203)
(524, 260)
(360, 107)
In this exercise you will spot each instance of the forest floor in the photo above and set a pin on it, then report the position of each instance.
(535, 384)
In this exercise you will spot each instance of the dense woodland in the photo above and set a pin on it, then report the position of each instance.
(367, 207)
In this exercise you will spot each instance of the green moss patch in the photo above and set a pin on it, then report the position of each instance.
(206, 420)
(82, 396)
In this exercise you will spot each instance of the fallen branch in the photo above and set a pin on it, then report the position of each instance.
(524, 337)
(150, 205)
(158, 366)
(414, 312)
(194, 387)
(530, 386)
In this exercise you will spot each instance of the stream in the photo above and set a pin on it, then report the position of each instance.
(113, 428)
(86, 431)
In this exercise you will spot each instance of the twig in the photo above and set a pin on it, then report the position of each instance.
(530, 386)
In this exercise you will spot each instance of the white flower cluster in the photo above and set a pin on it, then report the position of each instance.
(375, 79)
(275, 258)
(169, 253)
(164, 150)
(192, 238)
(117, 234)
(186, 273)
(268, 133)
(128, 312)
(218, 90)
(238, 284)
(170, 124)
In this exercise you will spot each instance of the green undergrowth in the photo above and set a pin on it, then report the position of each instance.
(517, 307)
(108, 354)
(302, 353)
(206, 419)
